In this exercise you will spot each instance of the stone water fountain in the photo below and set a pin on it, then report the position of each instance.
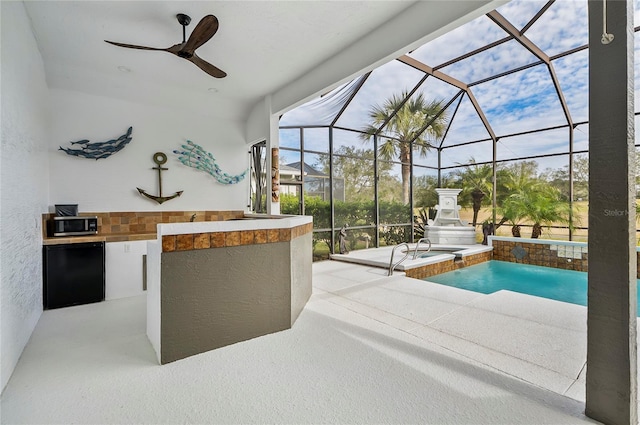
(447, 227)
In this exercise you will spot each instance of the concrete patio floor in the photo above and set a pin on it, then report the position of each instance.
(367, 349)
(540, 341)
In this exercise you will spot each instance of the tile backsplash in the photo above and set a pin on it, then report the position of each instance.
(123, 222)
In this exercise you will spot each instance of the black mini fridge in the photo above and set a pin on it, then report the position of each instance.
(73, 274)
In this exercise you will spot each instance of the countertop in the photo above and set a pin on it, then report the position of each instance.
(250, 221)
(112, 237)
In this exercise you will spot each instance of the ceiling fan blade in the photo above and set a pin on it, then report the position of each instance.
(206, 66)
(205, 29)
(133, 46)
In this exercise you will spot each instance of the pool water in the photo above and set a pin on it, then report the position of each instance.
(556, 284)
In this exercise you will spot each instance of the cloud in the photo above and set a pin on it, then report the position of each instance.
(473, 35)
(522, 101)
(562, 27)
(480, 152)
(392, 78)
(466, 125)
(519, 102)
(519, 12)
(505, 57)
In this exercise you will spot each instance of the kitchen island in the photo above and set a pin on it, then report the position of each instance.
(211, 284)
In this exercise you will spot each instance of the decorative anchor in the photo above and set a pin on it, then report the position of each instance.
(159, 158)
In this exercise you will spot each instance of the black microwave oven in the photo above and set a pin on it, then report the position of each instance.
(73, 226)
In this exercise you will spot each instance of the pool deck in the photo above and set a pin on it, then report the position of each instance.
(379, 257)
(540, 341)
(367, 348)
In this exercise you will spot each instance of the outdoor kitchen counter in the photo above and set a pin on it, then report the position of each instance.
(141, 236)
(112, 237)
(130, 226)
(211, 284)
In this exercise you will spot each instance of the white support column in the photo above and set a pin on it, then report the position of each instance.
(273, 142)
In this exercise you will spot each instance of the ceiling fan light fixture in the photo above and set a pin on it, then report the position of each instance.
(183, 19)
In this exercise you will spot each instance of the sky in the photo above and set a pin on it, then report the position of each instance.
(518, 102)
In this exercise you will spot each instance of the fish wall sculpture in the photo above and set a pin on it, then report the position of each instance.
(194, 156)
(99, 150)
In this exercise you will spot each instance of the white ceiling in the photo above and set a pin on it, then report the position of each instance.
(261, 45)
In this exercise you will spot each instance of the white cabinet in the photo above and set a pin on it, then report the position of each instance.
(124, 269)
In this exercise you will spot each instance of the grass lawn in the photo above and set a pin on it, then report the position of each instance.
(580, 219)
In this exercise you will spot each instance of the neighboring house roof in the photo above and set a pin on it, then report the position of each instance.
(308, 169)
(285, 169)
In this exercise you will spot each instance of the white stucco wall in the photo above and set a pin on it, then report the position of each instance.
(257, 125)
(110, 184)
(23, 183)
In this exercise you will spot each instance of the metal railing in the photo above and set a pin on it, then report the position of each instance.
(415, 251)
(393, 266)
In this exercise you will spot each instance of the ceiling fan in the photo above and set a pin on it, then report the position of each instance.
(205, 29)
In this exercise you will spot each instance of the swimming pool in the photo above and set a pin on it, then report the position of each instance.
(556, 284)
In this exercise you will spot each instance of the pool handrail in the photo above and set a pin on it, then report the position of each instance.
(415, 251)
(407, 253)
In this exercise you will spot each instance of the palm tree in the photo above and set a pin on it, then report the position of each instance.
(542, 206)
(517, 182)
(512, 212)
(548, 208)
(477, 183)
(405, 126)
(520, 177)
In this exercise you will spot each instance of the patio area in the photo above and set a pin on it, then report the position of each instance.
(367, 348)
